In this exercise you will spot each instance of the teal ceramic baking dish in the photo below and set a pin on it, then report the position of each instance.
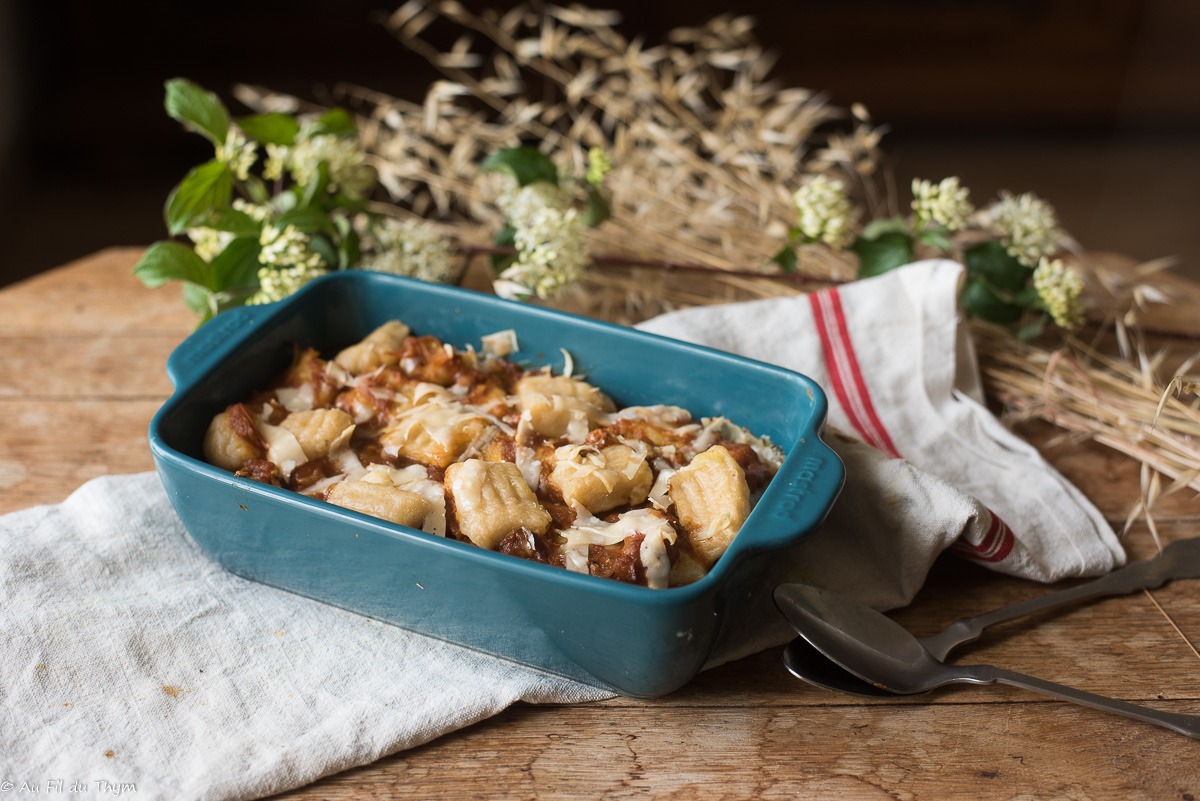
(630, 639)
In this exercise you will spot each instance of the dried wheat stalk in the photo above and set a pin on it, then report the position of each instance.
(706, 154)
(1115, 402)
(1110, 389)
(706, 150)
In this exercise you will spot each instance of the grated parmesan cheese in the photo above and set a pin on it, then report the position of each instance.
(500, 343)
(283, 449)
(296, 399)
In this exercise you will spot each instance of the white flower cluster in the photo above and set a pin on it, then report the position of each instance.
(599, 166)
(946, 203)
(287, 247)
(823, 211)
(348, 170)
(208, 242)
(237, 152)
(277, 162)
(1027, 226)
(255, 211)
(413, 248)
(550, 243)
(288, 264)
(1060, 289)
(276, 284)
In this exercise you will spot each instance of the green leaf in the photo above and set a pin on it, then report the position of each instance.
(978, 300)
(310, 220)
(322, 246)
(1027, 297)
(1034, 329)
(935, 236)
(336, 121)
(349, 251)
(236, 267)
(527, 165)
(884, 225)
(272, 128)
(235, 222)
(200, 300)
(349, 246)
(506, 237)
(993, 262)
(197, 108)
(314, 190)
(204, 190)
(171, 261)
(597, 209)
(257, 190)
(883, 253)
(786, 259)
(349, 203)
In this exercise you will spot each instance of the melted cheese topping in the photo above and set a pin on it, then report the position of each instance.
(588, 530)
(415, 478)
(439, 419)
(283, 449)
(296, 399)
(561, 433)
(658, 492)
(655, 558)
(717, 428)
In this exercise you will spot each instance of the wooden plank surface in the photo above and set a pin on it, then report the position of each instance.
(82, 367)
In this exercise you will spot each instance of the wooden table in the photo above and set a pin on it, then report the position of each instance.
(84, 348)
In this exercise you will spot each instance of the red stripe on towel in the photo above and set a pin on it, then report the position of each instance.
(845, 373)
(995, 546)
(850, 388)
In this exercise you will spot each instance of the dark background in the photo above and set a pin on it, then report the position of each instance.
(1093, 104)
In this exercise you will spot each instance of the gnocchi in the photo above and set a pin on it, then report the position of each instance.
(468, 445)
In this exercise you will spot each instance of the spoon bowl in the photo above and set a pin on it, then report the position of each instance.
(1179, 560)
(808, 664)
(882, 653)
(860, 640)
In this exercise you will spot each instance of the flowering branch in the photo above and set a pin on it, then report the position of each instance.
(543, 245)
(1008, 248)
(255, 237)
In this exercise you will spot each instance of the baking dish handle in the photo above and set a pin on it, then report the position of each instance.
(803, 492)
(212, 342)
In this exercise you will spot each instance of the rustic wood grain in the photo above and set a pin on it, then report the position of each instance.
(53, 446)
(85, 366)
(82, 374)
(97, 294)
(1011, 751)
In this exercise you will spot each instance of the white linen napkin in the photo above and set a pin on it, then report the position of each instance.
(134, 662)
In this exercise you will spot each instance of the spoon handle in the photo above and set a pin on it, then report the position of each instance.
(986, 674)
(1137, 576)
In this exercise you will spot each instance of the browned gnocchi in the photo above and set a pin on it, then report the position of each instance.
(466, 444)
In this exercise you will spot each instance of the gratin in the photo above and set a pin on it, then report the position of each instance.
(469, 445)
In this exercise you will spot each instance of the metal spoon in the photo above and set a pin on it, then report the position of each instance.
(878, 650)
(1179, 560)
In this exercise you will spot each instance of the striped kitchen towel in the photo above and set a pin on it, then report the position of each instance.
(929, 468)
